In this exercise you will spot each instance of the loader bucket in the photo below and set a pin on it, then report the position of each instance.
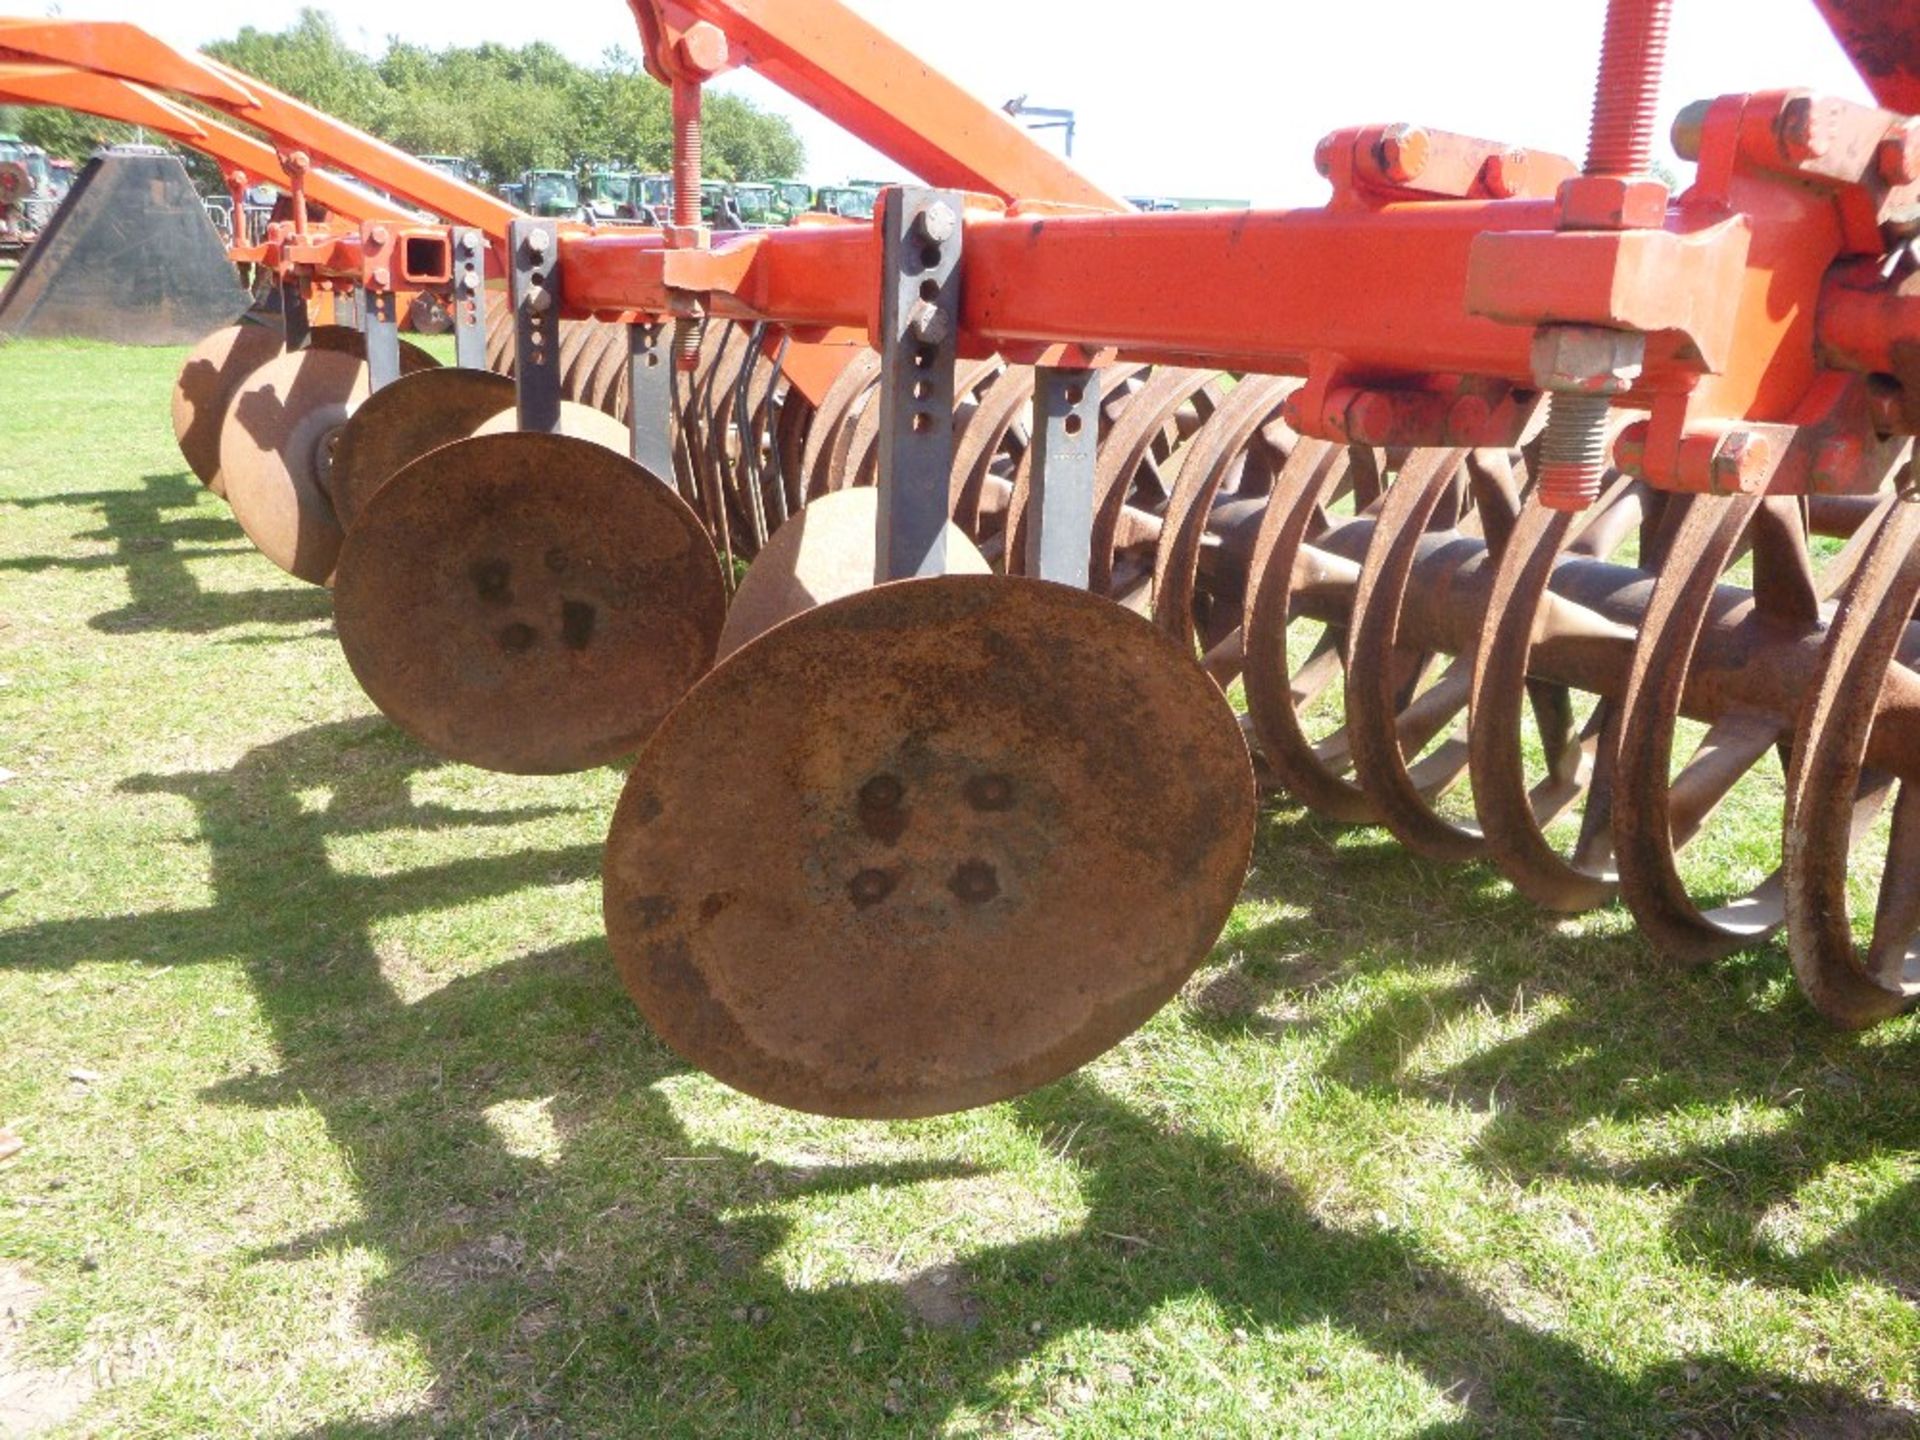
(130, 257)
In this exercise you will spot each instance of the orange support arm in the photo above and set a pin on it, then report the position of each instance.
(126, 52)
(823, 54)
(131, 104)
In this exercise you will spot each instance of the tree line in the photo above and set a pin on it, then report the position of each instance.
(511, 109)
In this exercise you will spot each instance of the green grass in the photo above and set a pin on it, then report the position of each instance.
(374, 1144)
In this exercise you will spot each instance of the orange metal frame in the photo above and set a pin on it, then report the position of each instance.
(1411, 302)
(126, 52)
(132, 104)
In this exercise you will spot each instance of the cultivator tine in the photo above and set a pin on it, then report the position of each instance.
(533, 247)
(1864, 712)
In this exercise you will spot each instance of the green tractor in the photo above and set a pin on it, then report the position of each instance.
(756, 202)
(852, 201)
(611, 193)
(551, 194)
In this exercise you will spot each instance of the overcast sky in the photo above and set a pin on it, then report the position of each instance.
(1224, 99)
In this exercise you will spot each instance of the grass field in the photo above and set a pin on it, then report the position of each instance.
(336, 1121)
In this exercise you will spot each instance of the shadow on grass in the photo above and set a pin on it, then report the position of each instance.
(1632, 1042)
(623, 1279)
(153, 547)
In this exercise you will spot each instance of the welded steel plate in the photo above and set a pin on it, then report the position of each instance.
(275, 446)
(824, 551)
(528, 603)
(928, 847)
(403, 421)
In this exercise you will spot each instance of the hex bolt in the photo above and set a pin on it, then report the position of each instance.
(929, 323)
(1505, 174)
(383, 277)
(1581, 367)
(1403, 153)
(1899, 153)
(1626, 102)
(1626, 97)
(539, 300)
(1573, 452)
(935, 224)
(1804, 129)
(1739, 462)
(379, 235)
(471, 243)
(538, 242)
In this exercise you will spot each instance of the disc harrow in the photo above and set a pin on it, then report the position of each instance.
(951, 578)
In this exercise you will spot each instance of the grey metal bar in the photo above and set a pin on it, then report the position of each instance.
(294, 316)
(469, 298)
(919, 319)
(534, 245)
(1066, 430)
(379, 322)
(650, 401)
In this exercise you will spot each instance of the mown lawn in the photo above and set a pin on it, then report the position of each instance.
(337, 1122)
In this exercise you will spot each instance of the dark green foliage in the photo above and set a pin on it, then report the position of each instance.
(510, 109)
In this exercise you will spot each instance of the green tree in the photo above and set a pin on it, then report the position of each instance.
(512, 109)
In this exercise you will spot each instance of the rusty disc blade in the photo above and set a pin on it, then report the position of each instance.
(919, 849)
(527, 603)
(214, 369)
(826, 551)
(275, 447)
(221, 364)
(582, 422)
(402, 422)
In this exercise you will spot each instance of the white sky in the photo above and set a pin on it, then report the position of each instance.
(1226, 99)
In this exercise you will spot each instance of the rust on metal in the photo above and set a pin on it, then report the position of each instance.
(822, 554)
(397, 425)
(528, 603)
(913, 851)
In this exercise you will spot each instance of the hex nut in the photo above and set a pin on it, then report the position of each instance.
(1587, 359)
(1612, 202)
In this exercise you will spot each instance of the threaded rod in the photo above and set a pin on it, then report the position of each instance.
(1626, 97)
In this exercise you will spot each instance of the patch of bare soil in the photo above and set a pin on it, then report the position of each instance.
(32, 1398)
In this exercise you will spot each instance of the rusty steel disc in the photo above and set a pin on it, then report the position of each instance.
(275, 447)
(402, 422)
(823, 553)
(528, 603)
(214, 369)
(581, 422)
(220, 365)
(920, 849)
